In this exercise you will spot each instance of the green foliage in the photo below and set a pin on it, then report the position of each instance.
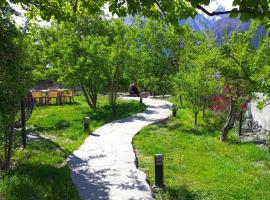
(90, 53)
(241, 64)
(169, 11)
(241, 67)
(196, 86)
(78, 53)
(15, 80)
(195, 81)
(150, 56)
(41, 171)
(198, 166)
(262, 77)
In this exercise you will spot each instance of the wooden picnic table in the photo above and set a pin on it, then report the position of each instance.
(44, 97)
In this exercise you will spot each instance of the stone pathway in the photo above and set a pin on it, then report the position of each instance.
(104, 166)
(256, 126)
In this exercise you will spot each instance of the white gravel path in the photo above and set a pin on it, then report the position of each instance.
(104, 166)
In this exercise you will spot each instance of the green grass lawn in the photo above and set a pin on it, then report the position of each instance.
(41, 172)
(198, 166)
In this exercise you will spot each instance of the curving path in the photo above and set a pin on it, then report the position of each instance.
(103, 167)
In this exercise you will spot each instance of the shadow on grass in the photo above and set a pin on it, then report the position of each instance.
(199, 131)
(58, 125)
(56, 105)
(42, 144)
(39, 181)
(209, 126)
(180, 193)
(124, 109)
(99, 116)
(40, 173)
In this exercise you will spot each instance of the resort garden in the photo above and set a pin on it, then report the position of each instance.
(97, 49)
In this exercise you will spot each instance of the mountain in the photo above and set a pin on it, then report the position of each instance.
(199, 23)
(215, 24)
(219, 24)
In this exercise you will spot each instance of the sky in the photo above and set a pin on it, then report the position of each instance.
(227, 4)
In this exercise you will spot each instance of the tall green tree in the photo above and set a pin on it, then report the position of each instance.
(15, 80)
(194, 81)
(119, 61)
(79, 55)
(150, 63)
(242, 74)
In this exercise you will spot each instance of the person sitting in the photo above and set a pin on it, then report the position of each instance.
(133, 90)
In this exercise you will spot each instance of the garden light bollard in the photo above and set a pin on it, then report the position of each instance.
(141, 100)
(159, 177)
(86, 123)
(174, 110)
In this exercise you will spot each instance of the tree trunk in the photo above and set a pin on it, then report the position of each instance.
(23, 122)
(114, 108)
(8, 138)
(204, 102)
(230, 121)
(181, 100)
(114, 88)
(90, 97)
(93, 96)
(196, 118)
(113, 97)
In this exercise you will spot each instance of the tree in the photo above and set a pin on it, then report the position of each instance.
(194, 79)
(262, 60)
(15, 78)
(79, 55)
(196, 85)
(150, 56)
(242, 74)
(171, 11)
(90, 52)
(118, 63)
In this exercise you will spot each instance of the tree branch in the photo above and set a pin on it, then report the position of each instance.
(75, 7)
(226, 12)
(162, 11)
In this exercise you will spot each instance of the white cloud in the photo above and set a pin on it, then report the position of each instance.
(227, 4)
(107, 13)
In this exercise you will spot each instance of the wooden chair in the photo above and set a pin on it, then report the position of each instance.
(54, 94)
(39, 97)
(68, 94)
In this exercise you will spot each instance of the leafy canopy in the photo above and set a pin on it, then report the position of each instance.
(169, 10)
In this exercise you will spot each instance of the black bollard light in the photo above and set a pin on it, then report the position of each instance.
(174, 110)
(159, 177)
(141, 100)
(86, 123)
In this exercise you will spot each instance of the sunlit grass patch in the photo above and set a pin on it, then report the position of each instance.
(198, 165)
(40, 171)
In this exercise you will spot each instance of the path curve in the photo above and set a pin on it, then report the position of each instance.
(103, 167)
